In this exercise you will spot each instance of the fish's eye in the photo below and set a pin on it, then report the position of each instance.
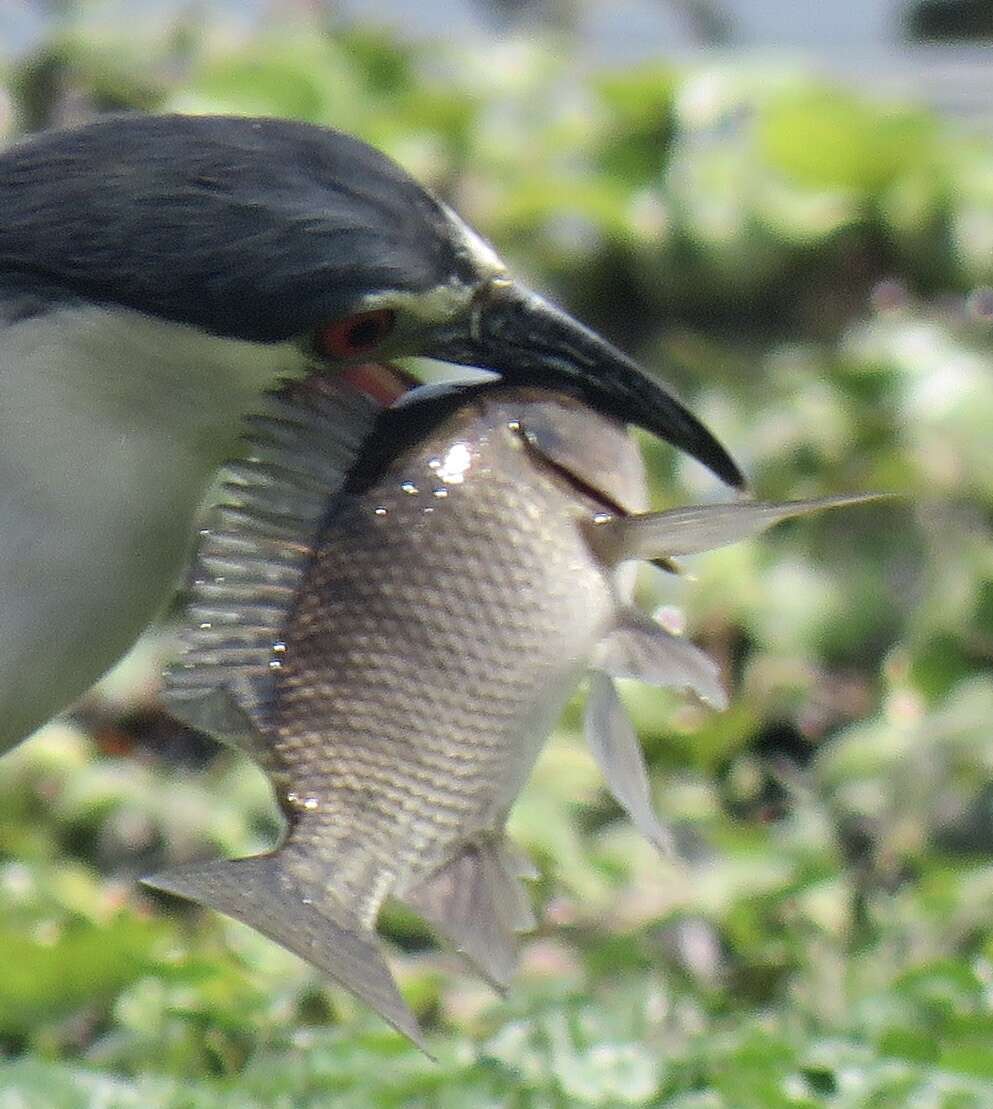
(355, 335)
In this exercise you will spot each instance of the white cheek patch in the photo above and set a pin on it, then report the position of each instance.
(445, 302)
(437, 306)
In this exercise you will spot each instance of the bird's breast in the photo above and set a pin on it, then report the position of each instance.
(112, 425)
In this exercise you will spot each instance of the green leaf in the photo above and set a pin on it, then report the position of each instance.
(827, 138)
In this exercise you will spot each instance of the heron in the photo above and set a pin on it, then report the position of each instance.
(157, 274)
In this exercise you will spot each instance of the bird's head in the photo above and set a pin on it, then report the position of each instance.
(268, 231)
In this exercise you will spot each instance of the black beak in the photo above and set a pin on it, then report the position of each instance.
(519, 335)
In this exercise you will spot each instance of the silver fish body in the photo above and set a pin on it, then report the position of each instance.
(451, 607)
(391, 620)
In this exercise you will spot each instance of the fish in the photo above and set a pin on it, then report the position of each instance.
(389, 614)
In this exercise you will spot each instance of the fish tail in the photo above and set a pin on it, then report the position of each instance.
(263, 892)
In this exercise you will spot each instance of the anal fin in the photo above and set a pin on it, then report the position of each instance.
(476, 901)
(261, 893)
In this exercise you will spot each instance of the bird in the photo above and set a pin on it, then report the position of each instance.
(158, 273)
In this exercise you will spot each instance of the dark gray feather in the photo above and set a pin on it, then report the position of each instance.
(256, 229)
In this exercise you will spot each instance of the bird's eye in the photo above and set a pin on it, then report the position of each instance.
(355, 335)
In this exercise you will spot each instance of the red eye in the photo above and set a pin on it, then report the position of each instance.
(356, 334)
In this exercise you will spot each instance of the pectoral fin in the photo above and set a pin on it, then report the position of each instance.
(640, 648)
(696, 528)
(476, 902)
(616, 749)
(261, 893)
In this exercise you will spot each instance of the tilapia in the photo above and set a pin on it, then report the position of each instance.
(389, 615)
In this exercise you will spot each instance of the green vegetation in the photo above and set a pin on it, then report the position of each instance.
(812, 270)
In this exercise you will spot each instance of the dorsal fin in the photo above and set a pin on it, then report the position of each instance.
(249, 563)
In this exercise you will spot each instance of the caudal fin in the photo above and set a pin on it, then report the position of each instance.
(261, 893)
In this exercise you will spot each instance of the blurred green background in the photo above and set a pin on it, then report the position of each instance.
(812, 268)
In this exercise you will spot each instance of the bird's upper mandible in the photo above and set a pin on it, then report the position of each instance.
(266, 230)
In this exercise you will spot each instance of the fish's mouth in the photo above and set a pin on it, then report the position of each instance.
(521, 336)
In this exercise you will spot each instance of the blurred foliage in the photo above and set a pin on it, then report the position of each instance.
(813, 269)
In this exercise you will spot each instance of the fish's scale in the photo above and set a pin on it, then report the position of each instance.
(433, 645)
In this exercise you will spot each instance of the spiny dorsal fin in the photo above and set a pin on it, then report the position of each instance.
(250, 561)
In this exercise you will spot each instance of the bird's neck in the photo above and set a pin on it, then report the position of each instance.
(113, 376)
(111, 425)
